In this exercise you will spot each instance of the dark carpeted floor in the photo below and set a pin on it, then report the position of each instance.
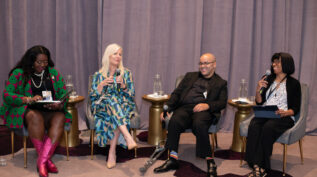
(186, 169)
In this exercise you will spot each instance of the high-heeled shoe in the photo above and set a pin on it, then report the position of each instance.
(211, 168)
(110, 165)
(51, 167)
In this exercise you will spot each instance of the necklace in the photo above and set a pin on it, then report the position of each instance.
(39, 75)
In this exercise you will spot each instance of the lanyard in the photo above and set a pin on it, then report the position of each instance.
(272, 90)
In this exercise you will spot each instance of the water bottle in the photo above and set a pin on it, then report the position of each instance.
(243, 91)
(157, 86)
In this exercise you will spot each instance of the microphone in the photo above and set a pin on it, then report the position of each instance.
(267, 73)
(165, 108)
(118, 74)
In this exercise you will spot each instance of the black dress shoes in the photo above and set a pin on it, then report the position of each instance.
(168, 165)
(211, 168)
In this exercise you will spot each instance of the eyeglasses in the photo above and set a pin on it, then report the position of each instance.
(276, 61)
(41, 62)
(205, 63)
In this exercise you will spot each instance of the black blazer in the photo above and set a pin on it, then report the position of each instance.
(217, 93)
(293, 90)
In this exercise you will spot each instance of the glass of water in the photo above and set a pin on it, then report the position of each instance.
(3, 161)
(70, 85)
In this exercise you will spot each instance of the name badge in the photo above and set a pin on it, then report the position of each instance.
(47, 95)
(205, 94)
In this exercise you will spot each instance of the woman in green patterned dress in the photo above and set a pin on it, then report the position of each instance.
(31, 80)
(112, 102)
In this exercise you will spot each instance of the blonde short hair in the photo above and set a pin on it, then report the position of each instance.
(110, 50)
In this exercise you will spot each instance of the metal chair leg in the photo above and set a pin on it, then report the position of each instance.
(66, 141)
(300, 142)
(216, 140)
(134, 137)
(243, 150)
(92, 133)
(284, 158)
(24, 149)
(212, 137)
(12, 144)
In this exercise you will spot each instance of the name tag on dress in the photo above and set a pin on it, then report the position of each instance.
(47, 95)
(205, 94)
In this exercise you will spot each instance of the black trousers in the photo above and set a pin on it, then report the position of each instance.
(184, 118)
(262, 134)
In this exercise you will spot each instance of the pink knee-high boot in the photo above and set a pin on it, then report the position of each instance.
(51, 168)
(46, 153)
(38, 144)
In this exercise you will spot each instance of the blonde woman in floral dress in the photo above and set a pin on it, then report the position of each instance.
(112, 102)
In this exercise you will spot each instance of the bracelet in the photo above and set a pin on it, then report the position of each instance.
(28, 100)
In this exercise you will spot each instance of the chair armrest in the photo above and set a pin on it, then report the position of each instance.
(135, 119)
(89, 116)
(295, 133)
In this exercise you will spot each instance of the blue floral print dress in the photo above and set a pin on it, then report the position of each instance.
(112, 107)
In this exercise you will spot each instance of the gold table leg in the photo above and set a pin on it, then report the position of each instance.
(73, 135)
(156, 133)
(240, 115)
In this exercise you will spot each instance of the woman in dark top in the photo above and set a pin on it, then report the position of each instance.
(282, 90)
(31, 80)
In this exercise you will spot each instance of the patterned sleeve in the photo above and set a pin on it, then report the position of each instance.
(59, 86)
(60, 91)
(130, 92)
(13, 87)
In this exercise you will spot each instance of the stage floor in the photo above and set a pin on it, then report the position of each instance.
(82, 166)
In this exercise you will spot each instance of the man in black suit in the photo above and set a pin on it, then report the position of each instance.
(196, 103)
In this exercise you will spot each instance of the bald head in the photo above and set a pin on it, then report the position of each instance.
(208, 56)
(207, 65)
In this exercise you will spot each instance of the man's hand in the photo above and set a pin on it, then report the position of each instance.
(162, 116)
(201, 107)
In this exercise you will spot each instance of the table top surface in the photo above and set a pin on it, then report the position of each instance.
(232, 103)
(76, 99)
(152, 99)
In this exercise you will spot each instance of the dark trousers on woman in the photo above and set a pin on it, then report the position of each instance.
(184, 118)
(262, 134)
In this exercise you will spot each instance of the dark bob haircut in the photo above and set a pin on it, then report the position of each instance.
(287, 62)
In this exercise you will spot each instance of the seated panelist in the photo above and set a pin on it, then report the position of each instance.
(280, 89)
(196, 103)
(34, 78)
(112, 102)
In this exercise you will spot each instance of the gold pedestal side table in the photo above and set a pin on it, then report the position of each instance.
(155, 133)
(73, 135)
(243, 111)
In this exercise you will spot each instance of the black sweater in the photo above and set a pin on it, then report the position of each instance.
(293, 91)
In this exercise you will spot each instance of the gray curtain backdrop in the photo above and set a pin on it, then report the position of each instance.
(165, 37)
